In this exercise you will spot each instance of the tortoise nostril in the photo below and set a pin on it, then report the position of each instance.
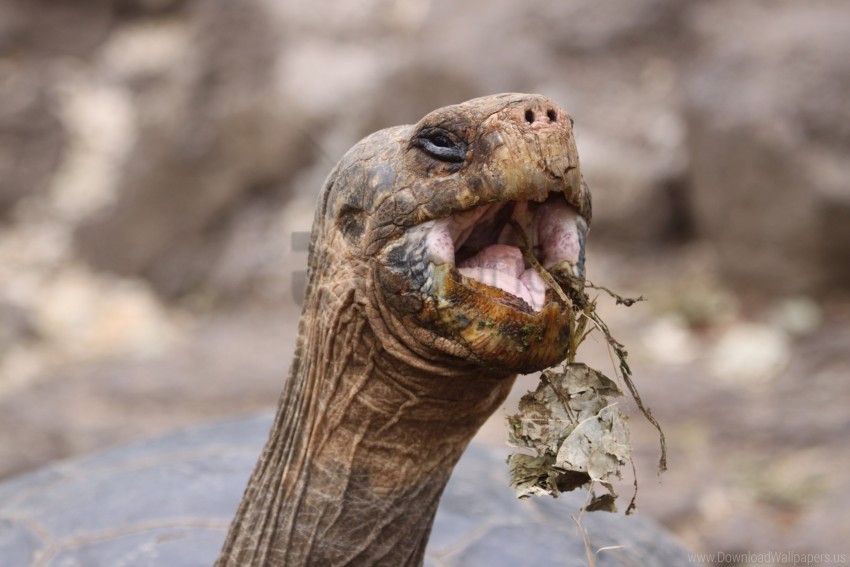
(539, 116)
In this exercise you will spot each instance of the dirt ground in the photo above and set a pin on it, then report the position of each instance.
(752, 396)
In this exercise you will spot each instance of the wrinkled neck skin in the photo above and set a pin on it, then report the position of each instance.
(367, 433)
(400, 358)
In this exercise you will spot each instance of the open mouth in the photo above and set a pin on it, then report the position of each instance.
(482, 245)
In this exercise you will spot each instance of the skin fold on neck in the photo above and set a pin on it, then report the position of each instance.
(361, 449)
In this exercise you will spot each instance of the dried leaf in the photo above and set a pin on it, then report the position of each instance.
(572, 422)
(532, 476)
(598, 445)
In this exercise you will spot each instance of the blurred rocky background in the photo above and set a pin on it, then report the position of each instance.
(160, 160)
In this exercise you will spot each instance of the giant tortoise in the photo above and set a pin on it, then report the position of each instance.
(420, 310)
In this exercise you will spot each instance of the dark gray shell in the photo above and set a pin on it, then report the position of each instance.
(168, 501)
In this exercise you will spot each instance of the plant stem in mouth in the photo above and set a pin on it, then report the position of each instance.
(576, 334)
(577, 331)
(528, 254)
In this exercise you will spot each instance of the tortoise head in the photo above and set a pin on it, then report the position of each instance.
(428, 223)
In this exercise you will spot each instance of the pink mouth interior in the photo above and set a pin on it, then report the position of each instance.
(494, 266)
(487, 249)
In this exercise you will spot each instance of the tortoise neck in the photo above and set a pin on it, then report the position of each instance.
(360, 451)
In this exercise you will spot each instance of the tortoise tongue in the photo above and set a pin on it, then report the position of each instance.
(502, 266)
(555, 231)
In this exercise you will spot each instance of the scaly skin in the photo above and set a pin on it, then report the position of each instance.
(399, 361)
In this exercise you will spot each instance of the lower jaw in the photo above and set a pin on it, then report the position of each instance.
(499, 330)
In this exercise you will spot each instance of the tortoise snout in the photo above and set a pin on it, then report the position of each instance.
(539, 113)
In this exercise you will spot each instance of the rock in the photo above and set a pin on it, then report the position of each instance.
(31, 135)
(50, 28)
(210, 143)
(16, 325)
(797, 316)
(146, 8)
(668, 340)
(749, 354)
(88, 317)
(769, 132)
(586, 26)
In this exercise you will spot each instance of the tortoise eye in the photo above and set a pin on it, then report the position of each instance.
(441, 141)
(441, 144)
